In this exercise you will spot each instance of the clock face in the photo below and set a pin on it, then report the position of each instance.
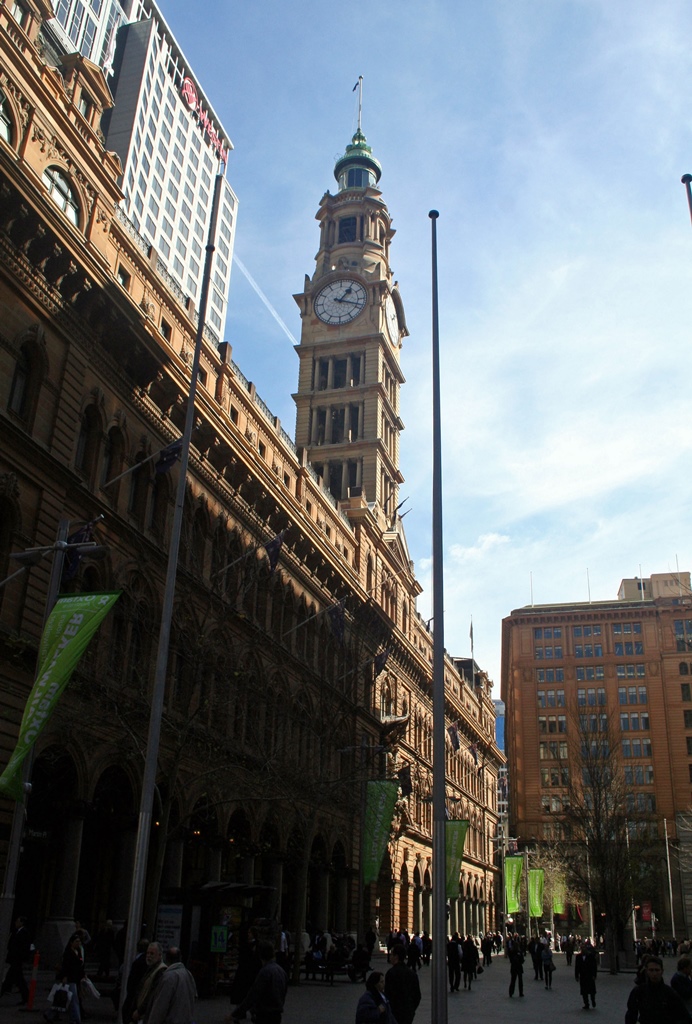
(340, 301)
(392, 320)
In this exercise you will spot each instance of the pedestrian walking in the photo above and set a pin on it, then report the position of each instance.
(72, 973)
(469, 961)
(19, 949)
(548, 964)
(173, 1001)
(373, 1005)
(146, 989)
(654, 1002)
(516, 969)
(267, 993)
(401, 987)
(681, 982)
(585, 972)
(454, 962)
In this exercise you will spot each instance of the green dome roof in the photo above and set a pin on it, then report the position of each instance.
(358, 154)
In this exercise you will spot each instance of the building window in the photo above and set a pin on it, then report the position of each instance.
(688, 719)
(62, 195)
(686, 692)
(683, 634)
(123, 277)
(347, 230)
(5, 122)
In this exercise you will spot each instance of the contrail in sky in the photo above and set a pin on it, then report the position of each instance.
(256, 288)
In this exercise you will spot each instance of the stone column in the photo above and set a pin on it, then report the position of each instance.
(277, 880)
(330, 373)
(54, 934)
(323, 897)
(417, 909)
(341, 903)
(173, 864)
(213, 863)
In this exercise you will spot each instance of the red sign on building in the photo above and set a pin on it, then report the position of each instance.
(189, 94)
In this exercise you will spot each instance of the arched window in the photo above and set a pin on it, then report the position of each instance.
(88, 444)
(113, 466)
(139, 490)
(369, 577)
(159, 506)
(5, 122)
(26, 383)
(62, 195)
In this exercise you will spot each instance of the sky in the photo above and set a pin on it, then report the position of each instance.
(551, 135)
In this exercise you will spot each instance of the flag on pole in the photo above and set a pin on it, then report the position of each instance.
(559, 897)
(453, 731)
(337, 620)
(168, 457)
(379, 809)
(355, 86)
(404, 776)
(536, 879)
(473, 749)
(272, 550)
(70, 566)
(513, 868)
(70, 626)
(455, 835)
(380, 662)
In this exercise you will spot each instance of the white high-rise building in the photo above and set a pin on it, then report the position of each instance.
(167, 135)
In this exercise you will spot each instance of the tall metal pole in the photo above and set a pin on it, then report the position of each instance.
(670, 880)
(439, 980)
(157, 700)
(687, 181)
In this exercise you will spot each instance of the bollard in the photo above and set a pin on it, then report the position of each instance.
(34, 981)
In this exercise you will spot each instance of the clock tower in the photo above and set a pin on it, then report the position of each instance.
(352, 329)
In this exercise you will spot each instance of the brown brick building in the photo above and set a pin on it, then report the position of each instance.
(627, 660)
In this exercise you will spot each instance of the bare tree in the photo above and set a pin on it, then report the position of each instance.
(608, 838)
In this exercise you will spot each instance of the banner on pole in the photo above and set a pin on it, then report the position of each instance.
(71, 625)
(379, 808)
(536, 878)
(513, 867)
(559, 898)
(455, 836)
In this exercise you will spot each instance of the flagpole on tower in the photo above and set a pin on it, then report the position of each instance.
(359, 87)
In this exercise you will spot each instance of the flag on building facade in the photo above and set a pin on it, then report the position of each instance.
(380, 662)
(70, 565)
(404, 776)
(70, 626)
(379, 810)
(455, 836)
(453, 732)
(168, 457)
(272, 549)
(337, 620)
(513, 869)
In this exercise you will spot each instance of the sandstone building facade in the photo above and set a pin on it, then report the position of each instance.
(277, 711)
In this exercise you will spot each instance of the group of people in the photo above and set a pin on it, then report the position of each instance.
(393, 997)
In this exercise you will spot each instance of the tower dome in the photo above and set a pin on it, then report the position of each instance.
(357, 168)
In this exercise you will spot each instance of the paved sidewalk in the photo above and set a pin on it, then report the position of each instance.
(319, 1003)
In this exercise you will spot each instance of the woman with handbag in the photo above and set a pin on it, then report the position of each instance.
(72, 972)
(548, 964)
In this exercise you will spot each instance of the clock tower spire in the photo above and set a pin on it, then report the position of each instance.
(352, 328)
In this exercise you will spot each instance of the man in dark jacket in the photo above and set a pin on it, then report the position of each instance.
(268, 991)
(516, 968)
(18, 950)
(401, 987)
(653, 1002)
(585, 971)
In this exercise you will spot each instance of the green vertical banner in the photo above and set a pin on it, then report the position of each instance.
(379, 809)
(559, 897)
(455, 837)
(536, 878)
(513, 866)
(70, 627)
